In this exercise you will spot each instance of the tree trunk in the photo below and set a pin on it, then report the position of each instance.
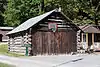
(42, 6)
(96, 21)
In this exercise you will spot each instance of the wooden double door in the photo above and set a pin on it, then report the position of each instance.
(53, 42)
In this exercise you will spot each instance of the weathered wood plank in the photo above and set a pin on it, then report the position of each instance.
(54, 43)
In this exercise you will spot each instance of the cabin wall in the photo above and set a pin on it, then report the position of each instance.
(17, 43)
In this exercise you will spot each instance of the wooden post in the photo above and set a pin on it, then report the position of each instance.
(82, 37)
(87, 39)
(93, 40)
(78, 40)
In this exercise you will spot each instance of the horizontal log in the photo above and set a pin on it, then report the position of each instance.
(27, 43)
(25, 36)
(17, 45)
(22, 53)
(30, 42)
(66, 27)
(29, 35)
(10, 42)
(63, 26)
(18, 38)
(17, 51)
(17, 48)
(11, 45)
(55, 17)
(43, 25)
(29, 39)
(18, 41)
(56, 20)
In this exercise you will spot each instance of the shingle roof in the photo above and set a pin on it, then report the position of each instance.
(90, 29)
(29, 23)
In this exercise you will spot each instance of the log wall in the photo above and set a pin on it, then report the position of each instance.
(16, 44)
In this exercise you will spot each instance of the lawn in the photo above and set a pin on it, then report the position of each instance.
(5, 65)
(4, 51)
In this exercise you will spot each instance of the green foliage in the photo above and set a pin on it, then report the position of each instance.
(50, 5)
(19, 11)
(2, 9)
(80, 11)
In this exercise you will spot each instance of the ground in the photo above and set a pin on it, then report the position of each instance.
(5, 65)
(54, 61)
(4, 51)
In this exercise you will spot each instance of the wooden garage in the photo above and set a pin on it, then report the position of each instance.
(49, 33)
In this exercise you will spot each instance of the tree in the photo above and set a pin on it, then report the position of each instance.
(19, 11)
(82, 11)
(3, 4)
(50, 5)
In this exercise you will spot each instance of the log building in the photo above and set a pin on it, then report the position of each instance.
(3, 32)
(49, 33)
(90, 37)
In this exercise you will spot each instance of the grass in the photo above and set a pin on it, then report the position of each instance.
(4, 51)
(5, 65)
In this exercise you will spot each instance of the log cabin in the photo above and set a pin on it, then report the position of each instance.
(49, 33)
(90, 37)
(3, 32)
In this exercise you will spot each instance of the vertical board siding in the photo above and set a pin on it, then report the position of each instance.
(53, 43)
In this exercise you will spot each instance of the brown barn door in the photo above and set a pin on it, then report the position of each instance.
(53, 43)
